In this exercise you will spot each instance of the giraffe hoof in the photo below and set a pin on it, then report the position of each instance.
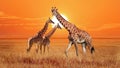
(36, 51)
(66, 54)
(28, 50)
(92, 50)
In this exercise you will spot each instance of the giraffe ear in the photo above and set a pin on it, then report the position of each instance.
(53, 7)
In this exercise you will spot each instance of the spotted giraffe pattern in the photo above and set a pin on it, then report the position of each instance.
(46, 40)
(75, 34)
(38, 38)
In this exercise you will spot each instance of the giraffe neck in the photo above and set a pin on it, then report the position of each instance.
(43, 30)
(64, 22)
(51, 32)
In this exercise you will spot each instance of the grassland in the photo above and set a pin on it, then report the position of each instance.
(13, 55)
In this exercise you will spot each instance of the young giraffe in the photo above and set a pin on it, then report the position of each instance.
(37, 39)
(76, 36)
(46, 40)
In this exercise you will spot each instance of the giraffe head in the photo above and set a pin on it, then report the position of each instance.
(54, 11)
(56, 24)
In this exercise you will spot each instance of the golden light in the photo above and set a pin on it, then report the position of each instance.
(54, 19)
(65, 17)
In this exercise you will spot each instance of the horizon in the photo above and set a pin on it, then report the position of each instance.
(66, 38)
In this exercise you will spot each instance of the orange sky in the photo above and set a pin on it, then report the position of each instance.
(24, 18)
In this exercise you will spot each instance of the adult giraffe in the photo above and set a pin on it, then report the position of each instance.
(76, 35)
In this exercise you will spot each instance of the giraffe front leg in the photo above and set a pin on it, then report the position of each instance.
(48, 48)
(41, 48)
(44, 48)
(37, 47)
(69, 45)
(76, 48)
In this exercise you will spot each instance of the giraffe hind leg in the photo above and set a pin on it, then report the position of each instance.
(48, 43)
(44, 48)
(84, 47)
(41, 48)
(30, 43)
(48, 48)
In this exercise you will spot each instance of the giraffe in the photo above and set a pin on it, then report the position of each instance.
(38, 38)
(46, 40)
(76, 35)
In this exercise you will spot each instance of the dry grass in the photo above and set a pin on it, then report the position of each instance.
(104, 57)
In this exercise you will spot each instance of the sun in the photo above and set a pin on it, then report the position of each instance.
(65, 17)
(54, 19)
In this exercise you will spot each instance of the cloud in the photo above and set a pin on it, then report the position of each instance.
(41, 18)
(11, 20)
(5, 16)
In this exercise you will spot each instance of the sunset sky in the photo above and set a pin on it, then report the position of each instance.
(24, 18)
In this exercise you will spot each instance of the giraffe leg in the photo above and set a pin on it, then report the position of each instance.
(48, 48)
(30, 43)
(44, 48)
(69, 45)
(37, 47)
(41, 48)
(76, 48)
(84, 47)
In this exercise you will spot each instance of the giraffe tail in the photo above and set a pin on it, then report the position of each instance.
(92, 49)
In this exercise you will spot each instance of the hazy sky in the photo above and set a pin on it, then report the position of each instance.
(24, 18)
